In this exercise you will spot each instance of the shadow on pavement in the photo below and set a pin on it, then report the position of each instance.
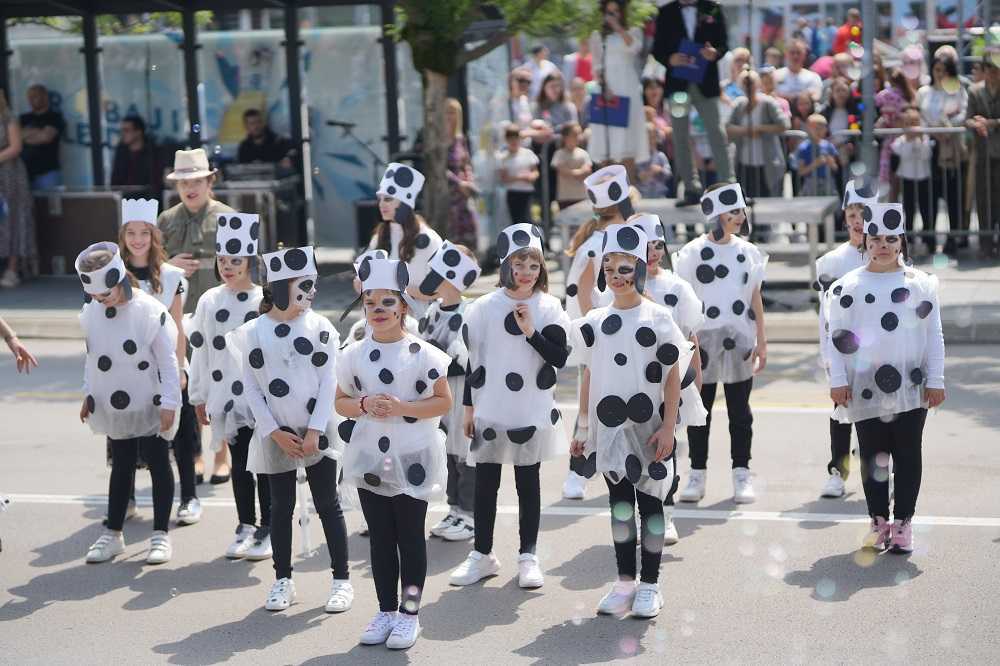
(461, 612)
(591, 640)
(839, 577)
(225, 641)
(852, 503)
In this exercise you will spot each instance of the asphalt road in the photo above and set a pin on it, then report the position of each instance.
(779, 581)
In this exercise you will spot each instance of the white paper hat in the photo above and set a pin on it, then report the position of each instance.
(451, 264)
(723, 200)
(106, 277)
(369, 254)
(517, 237)
(608, 186)
(140, 210)
(383, 274)
(401, 182)
(885, 219)
(860, 191)
(628, 239)
(290, 264)
(650, 224)
(237, 235)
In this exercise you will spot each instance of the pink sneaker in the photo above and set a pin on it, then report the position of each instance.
(878, 537)
(902, 537)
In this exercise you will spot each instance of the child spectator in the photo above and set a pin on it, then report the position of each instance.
(914, 152)
(815, 160)
(518, 173)
(572, 165)
(654, 172)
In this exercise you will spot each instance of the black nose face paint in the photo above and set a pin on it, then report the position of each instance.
(306, 286)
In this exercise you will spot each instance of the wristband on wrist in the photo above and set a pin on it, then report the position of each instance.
(362, 405)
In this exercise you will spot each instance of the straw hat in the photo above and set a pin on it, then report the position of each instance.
(190, 164)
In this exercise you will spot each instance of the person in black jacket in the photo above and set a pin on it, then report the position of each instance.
(702, 22)
(137, 159)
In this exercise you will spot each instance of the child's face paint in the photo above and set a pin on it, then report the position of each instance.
(302, 291)
(733, 221)
(110, 298)
(232, 268)
(654, 252)
(526, 271)
(384, 310)
(619, 273)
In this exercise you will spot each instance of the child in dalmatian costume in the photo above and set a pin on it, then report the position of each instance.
(216, 376)
(288, 355)
(452, 270)
(141, 245)
(608, 190)
(663, 287)
(132, 388)
(393, 389)
(832, 266)
(517, 339)
(402, 233)
(726, 273)
(886, 369)
(637, 361)
(360, 329)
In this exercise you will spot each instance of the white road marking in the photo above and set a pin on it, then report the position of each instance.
(773, 408)
(563, 510)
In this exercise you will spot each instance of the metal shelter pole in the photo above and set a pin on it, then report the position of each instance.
(293, 65)
(869, 26)
(190, 48)
(387, 17)
(90, 52)
(5, 54)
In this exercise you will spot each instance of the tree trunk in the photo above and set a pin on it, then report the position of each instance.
(436, 196)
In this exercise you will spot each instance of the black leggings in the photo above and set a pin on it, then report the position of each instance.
(900, 438)
(398, 549)
(740, 424)
(529, 504)
(623, 530)
(461, 487)
(323, 485)
(187, 445)
(245, 485)
(156, 453)
(840, 449)
(917, 195)
(519, 206)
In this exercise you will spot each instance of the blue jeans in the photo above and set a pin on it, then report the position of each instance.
(47, 181)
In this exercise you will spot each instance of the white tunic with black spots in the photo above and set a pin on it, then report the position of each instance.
(885, 341)
(513, 388)
(588, 254)
(395, 455)
(131, 367)
(441, 326)
(629, 354)
(832, 266)
(724, 277)
(360, 329)
(425, 245)
(171, 277)
(677, 295)
(289, 382)
(216, 375)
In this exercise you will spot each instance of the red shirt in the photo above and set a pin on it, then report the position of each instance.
(844, 37)
(584, 68)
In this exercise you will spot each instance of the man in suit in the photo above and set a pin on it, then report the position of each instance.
(702, 22)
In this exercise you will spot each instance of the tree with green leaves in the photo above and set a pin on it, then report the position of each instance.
(435, 32)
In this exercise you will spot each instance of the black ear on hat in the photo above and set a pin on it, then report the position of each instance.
(402, 276)
(602, 283)
(506, 275)
(126, 285)
(279, 293)
(431, 283)
(625, 208)
(640, 276)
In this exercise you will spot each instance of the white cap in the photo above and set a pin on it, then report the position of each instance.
(369, 254)
(401, 182)
(383, 274)
(608, 186)
(723, 200)
(884, 219)
(106, 277)
(140, 210)
(290, 264)
(626, 238)
(517, 237)
(453, 265)
(237, 235)
(650, 224)
(860, 191)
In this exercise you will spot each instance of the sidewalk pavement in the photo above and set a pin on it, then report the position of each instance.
(970, 301)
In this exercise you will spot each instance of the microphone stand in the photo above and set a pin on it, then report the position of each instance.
(348, 133)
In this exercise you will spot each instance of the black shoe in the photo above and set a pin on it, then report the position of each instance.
(218, 479)
(199, 479)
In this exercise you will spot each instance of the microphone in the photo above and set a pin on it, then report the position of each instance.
(338, 123)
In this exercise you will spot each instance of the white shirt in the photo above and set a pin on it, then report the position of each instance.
(790, 84)
(690, 15)
(513, 164)
(539, 70)
(914, 157)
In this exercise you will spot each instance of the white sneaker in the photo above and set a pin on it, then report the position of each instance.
(9, 279)
(379, 629)
(670, 536)
(189, 512)
(529, 574)
(475, 568)
(834, 486)
(695, 489)
(648, 600)
(341, 597)
(404, 633)
(244, 539)
(363, 530)
(160, 550)
(462, 529)
(443, 526)
(106, 547)
(260, 547)
(743, 486)
(619, 598)
(281, 596)
(575, 486)
(131, 510)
